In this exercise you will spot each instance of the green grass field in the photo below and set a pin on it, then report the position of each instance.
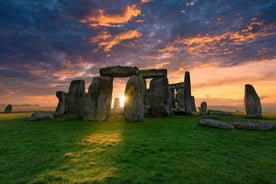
(168, 150)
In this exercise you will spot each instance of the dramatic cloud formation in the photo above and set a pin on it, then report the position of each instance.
(224, 44)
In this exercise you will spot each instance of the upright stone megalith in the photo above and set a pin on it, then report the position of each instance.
(100, 96)
(159, 97)
(117, 103)
(61, 102)
(134, 92)
(188, 101)
(203, 108)
(252, 103)
(75, 101)
(8, 109)
(180, 98)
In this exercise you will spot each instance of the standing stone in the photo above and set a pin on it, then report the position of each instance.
(252, 103)
(172, 97)
(100, 94)
(180, 98)
(75, 100)
(187, 94)
(203, 108)
(134, 106)
(61, 102)
(159, 97)
(117, 103)
(171, 101)
(147, 110)
(8, 109)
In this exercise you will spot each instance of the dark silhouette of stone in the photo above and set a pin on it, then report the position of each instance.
(159, 97)
(8, 109)
(38, 116)
(134, 92)
(119, 71)
(252, 103)
(177, 85)
(179, 98)
(172, 98)
(193, 104)
(215, 123)
(203, 108)
(147, 109)
(100, 96)
(61, 102)
(75, 101)
(188, 101)
(153, 73)
(117, 103)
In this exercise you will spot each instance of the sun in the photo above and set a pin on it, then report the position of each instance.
(122, 100)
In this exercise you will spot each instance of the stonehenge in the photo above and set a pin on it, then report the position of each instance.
(161, 99)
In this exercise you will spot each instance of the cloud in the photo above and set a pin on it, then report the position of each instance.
(101, 18)
(106, 41)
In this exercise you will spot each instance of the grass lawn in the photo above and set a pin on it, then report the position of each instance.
(168, 150)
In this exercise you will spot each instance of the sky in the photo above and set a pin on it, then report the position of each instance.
(224, 44)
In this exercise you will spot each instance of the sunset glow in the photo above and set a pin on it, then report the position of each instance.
(223, 44)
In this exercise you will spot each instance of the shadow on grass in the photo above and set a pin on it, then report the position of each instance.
(167, 150)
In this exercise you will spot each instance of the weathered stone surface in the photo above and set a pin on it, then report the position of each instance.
(252, 103)
(180, 98)
(215, 123)
(147, 109)
(193, 104)
(37, 116)
(203, 108)
(117, 103)
(134, 92)
(254, 125)
(187, 94)
(153, 73)
(100, 94)
(8, 109)
(172, 98)
(176, 85)
(159, 97)
(75, 100)
(119, 71)
(61, 102)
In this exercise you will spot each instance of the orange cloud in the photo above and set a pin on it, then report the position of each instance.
(145, 1)
(203, 45)
(107, 41)
(100, 18)
(45, 100)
